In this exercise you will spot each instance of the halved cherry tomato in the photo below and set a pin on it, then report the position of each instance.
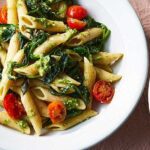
(75, 23)
(77, 12)
(103, 91)
(3, 15)
(13, 106)
(57, 111)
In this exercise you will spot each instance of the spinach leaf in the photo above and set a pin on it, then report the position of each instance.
(42, 9)
(73, 113)
(6, 32)
(38, 38)
(57, 67)
(46, 122)
(23, 40)
(1, 69)
(25, 86)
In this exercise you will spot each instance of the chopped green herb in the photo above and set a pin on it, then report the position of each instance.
(6, 122)
(71, 103)
(23, 124)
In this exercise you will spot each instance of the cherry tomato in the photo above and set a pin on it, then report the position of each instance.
(75, 23)
(77, 12)
(3, 15)
(13, 106)
(57, 111)
(103, 91)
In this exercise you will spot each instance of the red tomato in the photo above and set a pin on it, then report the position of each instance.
(3, 15)
(13, 106)
(75, 23)
(57, 111)
(77, 12)
(103, 91)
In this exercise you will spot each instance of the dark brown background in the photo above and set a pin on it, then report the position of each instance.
(135, 133)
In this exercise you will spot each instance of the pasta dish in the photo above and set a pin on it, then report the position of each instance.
(52, 65)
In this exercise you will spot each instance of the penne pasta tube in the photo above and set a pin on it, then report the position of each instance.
(104, 58)
(107, 76)
(43, 24)
(31, 110)
(22, 10)
(42, 108)
(73, 121)
(36, 69)
(12, 17)
(5, 45)
(105, 67)
(19, 125)
(45, 95)
(89, 74)
(3, 55)
(52, 42)
(63, 80)
(12, 50)
(84, 37)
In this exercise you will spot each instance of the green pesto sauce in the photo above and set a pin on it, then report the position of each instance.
(45, 22)
(6, 122)
(31, 114)
(43, 65)
(71, 103)
(64, 81)
(22, 124)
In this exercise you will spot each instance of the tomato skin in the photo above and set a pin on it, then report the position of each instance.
(77, 12)
(3, 15)
(103, 91)
(75, 23)
(13, 106)
(57, 111)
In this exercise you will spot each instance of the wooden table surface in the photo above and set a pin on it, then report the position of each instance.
(135, 133)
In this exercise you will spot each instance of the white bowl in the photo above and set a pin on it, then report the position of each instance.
(128, 38)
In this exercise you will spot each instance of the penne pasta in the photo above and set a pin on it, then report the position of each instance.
(42, 108)
(52, 42)
(43, 24)
(12, 17)
(45, 95)
(12, 50)
(3, 54)
(105, 67)
(22, 10)
(107, 76)
(84, 37)
(104, 58)
(31, 110)
(73, 121)
(36, 69)
(89, 74)
(19, 125)
(63, 80)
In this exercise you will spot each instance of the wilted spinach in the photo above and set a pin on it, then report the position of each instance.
(23, 40)
(25, 86)
(37, 39)
(6, 32)
(57, 67)
(42, 8)
(73, 113)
